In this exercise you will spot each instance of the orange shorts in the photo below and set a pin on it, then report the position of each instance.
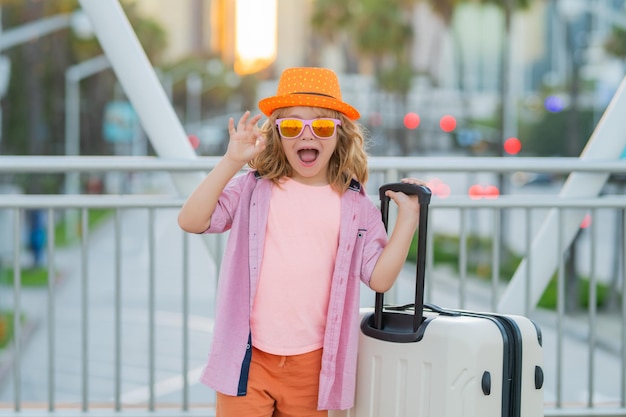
(278, 386)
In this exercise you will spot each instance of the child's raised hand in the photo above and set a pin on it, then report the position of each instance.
(410, 204)
(246, 141)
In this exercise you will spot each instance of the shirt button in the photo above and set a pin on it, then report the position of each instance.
(248, 346)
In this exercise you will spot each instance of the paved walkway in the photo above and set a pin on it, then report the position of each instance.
(100, 318)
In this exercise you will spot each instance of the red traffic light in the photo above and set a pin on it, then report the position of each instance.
(512, 146)
(447, 123)
(411, 120)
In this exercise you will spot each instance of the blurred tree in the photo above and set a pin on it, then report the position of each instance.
(382, 33)
(33, 110)
(379, 30)
(508, 9)
(544, 135)
(616, 43)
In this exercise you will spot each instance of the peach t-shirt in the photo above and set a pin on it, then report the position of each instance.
(302, 236)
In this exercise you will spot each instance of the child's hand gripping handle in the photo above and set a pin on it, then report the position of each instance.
(423, 194)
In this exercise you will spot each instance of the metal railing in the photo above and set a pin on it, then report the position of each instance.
(123, 323)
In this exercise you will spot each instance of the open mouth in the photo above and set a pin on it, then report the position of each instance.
(308, 155)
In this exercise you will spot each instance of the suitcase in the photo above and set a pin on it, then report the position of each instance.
(422, 360)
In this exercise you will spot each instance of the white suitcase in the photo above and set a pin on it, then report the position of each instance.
(419, 362)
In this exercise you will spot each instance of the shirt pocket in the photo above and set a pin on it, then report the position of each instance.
(357, 253)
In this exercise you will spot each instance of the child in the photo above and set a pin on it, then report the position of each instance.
(303, 234)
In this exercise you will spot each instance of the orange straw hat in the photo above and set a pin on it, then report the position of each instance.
(312, 87)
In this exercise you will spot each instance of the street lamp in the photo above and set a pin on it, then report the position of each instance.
(73, 76)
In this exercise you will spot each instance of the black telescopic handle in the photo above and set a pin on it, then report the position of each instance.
(423, 194)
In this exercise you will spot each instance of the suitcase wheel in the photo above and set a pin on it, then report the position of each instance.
(538, 377)
(486, 383)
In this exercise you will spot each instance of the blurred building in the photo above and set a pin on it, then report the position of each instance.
(255, 34)
(280, 30)
(247, 34)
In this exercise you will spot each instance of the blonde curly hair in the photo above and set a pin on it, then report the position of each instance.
(348, 161)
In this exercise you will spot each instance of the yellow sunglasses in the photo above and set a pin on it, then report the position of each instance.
(322, 128)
